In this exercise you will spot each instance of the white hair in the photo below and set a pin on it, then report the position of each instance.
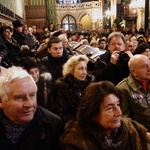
(7, 76)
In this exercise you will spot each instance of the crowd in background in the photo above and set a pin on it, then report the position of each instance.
(69, 85)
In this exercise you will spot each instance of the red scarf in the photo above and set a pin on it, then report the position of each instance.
(144, 85)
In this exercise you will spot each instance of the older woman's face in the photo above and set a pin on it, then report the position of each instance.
(110, 113)
(80, 70)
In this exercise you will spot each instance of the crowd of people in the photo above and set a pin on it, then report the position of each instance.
(62, 100)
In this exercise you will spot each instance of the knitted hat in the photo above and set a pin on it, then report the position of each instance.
(141, 48)
(28, 64)
(17, 24)
(3, 28)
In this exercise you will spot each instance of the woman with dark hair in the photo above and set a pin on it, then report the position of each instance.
(99, 123)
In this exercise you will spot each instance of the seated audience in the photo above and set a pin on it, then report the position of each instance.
(23, 124)
(99, 124)
(20, 37)
(67, 90)
(30, 39)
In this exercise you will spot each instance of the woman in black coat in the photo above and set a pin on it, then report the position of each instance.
(67, 90)
(13, 52)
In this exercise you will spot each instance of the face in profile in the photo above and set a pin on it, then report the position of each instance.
(80, 71)
(21, 104)
(109, 116)
(56, 50)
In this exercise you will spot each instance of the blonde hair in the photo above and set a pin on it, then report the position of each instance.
(69, 66)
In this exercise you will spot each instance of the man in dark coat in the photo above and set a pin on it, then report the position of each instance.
(55, 59)
(23, 124)
(17, 32)
(113, 65)
(14, 51)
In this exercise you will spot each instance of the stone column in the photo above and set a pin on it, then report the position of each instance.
(113, 10)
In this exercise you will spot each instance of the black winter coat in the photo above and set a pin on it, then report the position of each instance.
(14, 52)
(23, 39)
(43, 86)
(105, 70)
(42, 134)
(53, 65)
(3, 48)
(65, 96)
(19, 37)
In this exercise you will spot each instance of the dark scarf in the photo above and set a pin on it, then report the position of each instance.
(78, 84)
(12, 131)
(59, 60)
(118, 138)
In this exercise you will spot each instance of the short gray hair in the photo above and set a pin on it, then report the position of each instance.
(72, 62)
(7, 76)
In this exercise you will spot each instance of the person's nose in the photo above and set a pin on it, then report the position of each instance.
(118, 111)
(85, 71)
(27, 102)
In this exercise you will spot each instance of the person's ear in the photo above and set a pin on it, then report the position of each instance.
(133, 72)
(72, 72)
(48, 49)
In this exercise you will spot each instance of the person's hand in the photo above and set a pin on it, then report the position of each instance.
(129, 53)
(114, 57)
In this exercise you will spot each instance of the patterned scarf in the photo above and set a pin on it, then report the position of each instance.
(12, 131)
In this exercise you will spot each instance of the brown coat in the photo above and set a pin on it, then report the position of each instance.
(131, 136)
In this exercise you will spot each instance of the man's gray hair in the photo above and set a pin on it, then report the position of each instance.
(116, 34)
(7, 76)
